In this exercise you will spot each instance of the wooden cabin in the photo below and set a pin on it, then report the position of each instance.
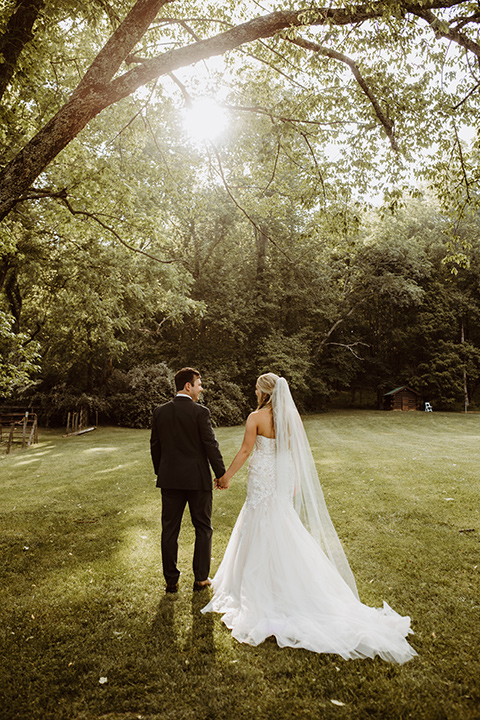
(402, 398)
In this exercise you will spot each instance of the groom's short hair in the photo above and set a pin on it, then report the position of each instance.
(186, 374)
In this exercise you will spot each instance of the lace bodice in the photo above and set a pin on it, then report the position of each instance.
(261, 472)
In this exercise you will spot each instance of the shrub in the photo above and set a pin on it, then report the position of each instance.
(137, 392)
(225, 400)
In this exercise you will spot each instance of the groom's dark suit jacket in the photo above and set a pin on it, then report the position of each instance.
(183, 444)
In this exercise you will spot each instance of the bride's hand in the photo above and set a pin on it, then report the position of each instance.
(221, 483)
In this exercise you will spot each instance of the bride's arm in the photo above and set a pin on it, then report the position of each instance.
(245, 450)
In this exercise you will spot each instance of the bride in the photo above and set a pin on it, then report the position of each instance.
(284, 572)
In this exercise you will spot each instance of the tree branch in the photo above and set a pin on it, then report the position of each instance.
(273, 116)
(41, 193)
(94, 217)
(464, 100)
(257, 29)
(159, 325)
(462, 21)
(333, 328)
(242, 209)
(350, 346)
(137, 114)
(119, 45)
(334, 54)
(462, 163)
(312, 153)
(274, 169)
(183, 89)
(442, 29)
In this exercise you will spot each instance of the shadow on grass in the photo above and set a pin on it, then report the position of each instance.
(160, 657)
(199, 639)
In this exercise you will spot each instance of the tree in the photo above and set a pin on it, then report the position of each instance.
(18, 358)
(385, 94)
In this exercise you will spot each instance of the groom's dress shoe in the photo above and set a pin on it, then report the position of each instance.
(171, 587)
(201, 584)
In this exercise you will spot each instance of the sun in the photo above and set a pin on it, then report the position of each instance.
(205, 120)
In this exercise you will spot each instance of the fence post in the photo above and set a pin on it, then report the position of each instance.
(33, 431)
(24, 431)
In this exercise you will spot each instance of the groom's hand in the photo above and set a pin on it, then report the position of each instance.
(221, 483)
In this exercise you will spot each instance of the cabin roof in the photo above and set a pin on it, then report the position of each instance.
(398, 389)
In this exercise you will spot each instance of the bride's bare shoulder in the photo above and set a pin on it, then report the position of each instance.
(263, 421)
(260, 414)
(253, 419)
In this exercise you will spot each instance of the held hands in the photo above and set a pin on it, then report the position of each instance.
(221, 483)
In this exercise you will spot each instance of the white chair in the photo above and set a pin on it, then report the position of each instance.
(428, 407)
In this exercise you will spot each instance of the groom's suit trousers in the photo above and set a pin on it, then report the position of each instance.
(200, 506)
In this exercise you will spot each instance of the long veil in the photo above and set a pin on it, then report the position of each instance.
(296, 467)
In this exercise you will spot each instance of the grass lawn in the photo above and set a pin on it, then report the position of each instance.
(88, 633)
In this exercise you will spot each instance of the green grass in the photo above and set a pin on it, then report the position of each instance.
(82, 589)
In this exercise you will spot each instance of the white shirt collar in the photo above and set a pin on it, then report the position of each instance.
(182, 394)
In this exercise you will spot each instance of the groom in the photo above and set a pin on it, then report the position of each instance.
(183, 444)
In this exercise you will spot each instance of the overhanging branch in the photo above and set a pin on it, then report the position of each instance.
(441, 28)
(109, 229)
(334, 54)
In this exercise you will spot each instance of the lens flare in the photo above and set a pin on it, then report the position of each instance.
(205, 120)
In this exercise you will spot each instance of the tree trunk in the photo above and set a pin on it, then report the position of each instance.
(10, 288)
(261, 243)
(13, 296)
(93, 94)
(18, 33)
(465, 377)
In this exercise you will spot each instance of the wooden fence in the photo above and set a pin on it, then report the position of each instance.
(77, 422)
(18, 428)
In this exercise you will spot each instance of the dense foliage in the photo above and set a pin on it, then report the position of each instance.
(137, 249)
(343, 317)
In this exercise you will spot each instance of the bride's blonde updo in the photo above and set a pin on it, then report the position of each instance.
(265, 384)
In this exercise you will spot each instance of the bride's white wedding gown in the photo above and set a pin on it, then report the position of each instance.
(275, 579)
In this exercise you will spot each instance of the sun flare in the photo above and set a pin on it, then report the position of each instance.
(205, 120)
